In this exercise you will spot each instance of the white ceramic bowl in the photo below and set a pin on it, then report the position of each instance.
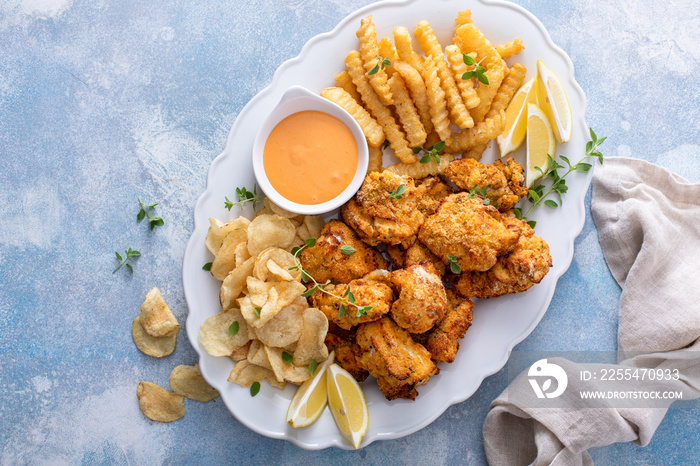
(297, 99)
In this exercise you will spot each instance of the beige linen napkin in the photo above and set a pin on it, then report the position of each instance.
(648, 222)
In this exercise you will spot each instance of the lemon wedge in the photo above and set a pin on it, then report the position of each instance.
(347, 404)
(516, 118)
(540, 142)
(552, 99)
(311, 398)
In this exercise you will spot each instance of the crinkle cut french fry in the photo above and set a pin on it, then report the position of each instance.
(430, 45)
(344, 81)
(469, 38)
(416, 87)
(475, 152)
(404, 48)
(387, 50)
(369, 50)
(406, 111)
(417, 170)
(436, 100)
(371, 129)
(486, 93)
(509, 86)
(510, 48)
(392, 132)
(466, 86)
(480, 134)
(463, 17)
(375, 159)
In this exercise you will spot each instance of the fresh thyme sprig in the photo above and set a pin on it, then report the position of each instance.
(481, 193)
(346, 300)
(143, 213)
(398, 192)
(430, 152)
(477, 72)
(128, 254)
(243, 196)
(537, 195)
(383, 62)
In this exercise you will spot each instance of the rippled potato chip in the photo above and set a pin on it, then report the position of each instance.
(225, 257)
(241, 253)
(285, 371)
(157, 347)
(245, 373)
(155, 315)
(257, 355)
(218, 231)
(234, 283)
(215, 337)
(266, 231)
(158, 404)
(284, 329)
(187, 381)
(311, 345)
(274, 263)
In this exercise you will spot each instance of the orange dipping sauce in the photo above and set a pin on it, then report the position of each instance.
(310, 157)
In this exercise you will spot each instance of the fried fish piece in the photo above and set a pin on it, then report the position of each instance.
(392, 357)
(326, 261)
(384, 209)
(504, 182)
(342, 342)
(515, 272)
(422, 301)
(415, 254)
(366, 293)
(466, 230)
(431, 191)
(443, 340)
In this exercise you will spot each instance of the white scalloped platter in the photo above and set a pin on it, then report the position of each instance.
(499, 324)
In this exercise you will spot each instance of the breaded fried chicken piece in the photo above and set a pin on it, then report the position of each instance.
(325, 261)
(392, 357)
(504, 182)
(514, 272)
(432, 190)
(377, 216)
(415, 254)
(443, 340)
(422, 301)
(464, 228)
(366, 293)
(346, 351)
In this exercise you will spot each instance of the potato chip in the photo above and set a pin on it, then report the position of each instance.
(436, 100)
(284, 329)
(155, 315)
(217, 336)
(280, 260)
(407, 112)
(370, 127)
(311, 345)
(286, 371)
(344, 81)
(218, 231)
(225, 257)
(267, 231)
(257, 355)
(258, 291)
(479, 134)
(157, 347)
(419, 170)
(187, 381)
(416, 88)
(369, 51)
(241, 353)
(241, 253)
(393, 133)
(158, 404)
(466, 86)
(234, 283)
(265, 210)
(282, 212)
(244, 373)
(430, 45)
(315, 224)
(509, 49)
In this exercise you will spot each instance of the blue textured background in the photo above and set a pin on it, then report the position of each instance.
(105, 101)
